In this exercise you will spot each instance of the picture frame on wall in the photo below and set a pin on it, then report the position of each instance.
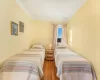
(14, 28)
(21, 26)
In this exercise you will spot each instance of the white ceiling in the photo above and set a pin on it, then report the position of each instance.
(51, 10)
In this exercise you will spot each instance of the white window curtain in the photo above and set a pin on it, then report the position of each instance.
(54, 35)
(64, 35)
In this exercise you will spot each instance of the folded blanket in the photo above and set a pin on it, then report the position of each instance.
(76, 70)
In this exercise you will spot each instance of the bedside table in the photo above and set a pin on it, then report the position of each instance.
(49, 54)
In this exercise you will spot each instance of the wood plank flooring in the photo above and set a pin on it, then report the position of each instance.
(49, 71)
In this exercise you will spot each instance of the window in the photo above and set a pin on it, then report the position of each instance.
(59, 33)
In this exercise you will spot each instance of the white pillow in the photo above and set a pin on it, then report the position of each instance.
(37, 46)
(61, 45)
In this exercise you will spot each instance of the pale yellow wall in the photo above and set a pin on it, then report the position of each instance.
(10, 45)
(98, 37)
(43, 33)
(85, 26)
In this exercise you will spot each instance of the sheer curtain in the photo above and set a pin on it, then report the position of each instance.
(64, 35)
(54, 35)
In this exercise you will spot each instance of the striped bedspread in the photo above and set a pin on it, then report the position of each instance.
(28, 57)
(71, 66)
(19, 70)
(77, 70)
(36, 52)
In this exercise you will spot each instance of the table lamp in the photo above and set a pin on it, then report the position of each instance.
(50, 46)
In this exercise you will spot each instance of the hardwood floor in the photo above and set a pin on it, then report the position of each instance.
(49, 71)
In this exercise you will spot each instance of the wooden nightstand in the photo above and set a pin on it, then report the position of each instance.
(49, 54)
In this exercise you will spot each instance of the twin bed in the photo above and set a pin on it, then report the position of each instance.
(71, 66)
(27, 65)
